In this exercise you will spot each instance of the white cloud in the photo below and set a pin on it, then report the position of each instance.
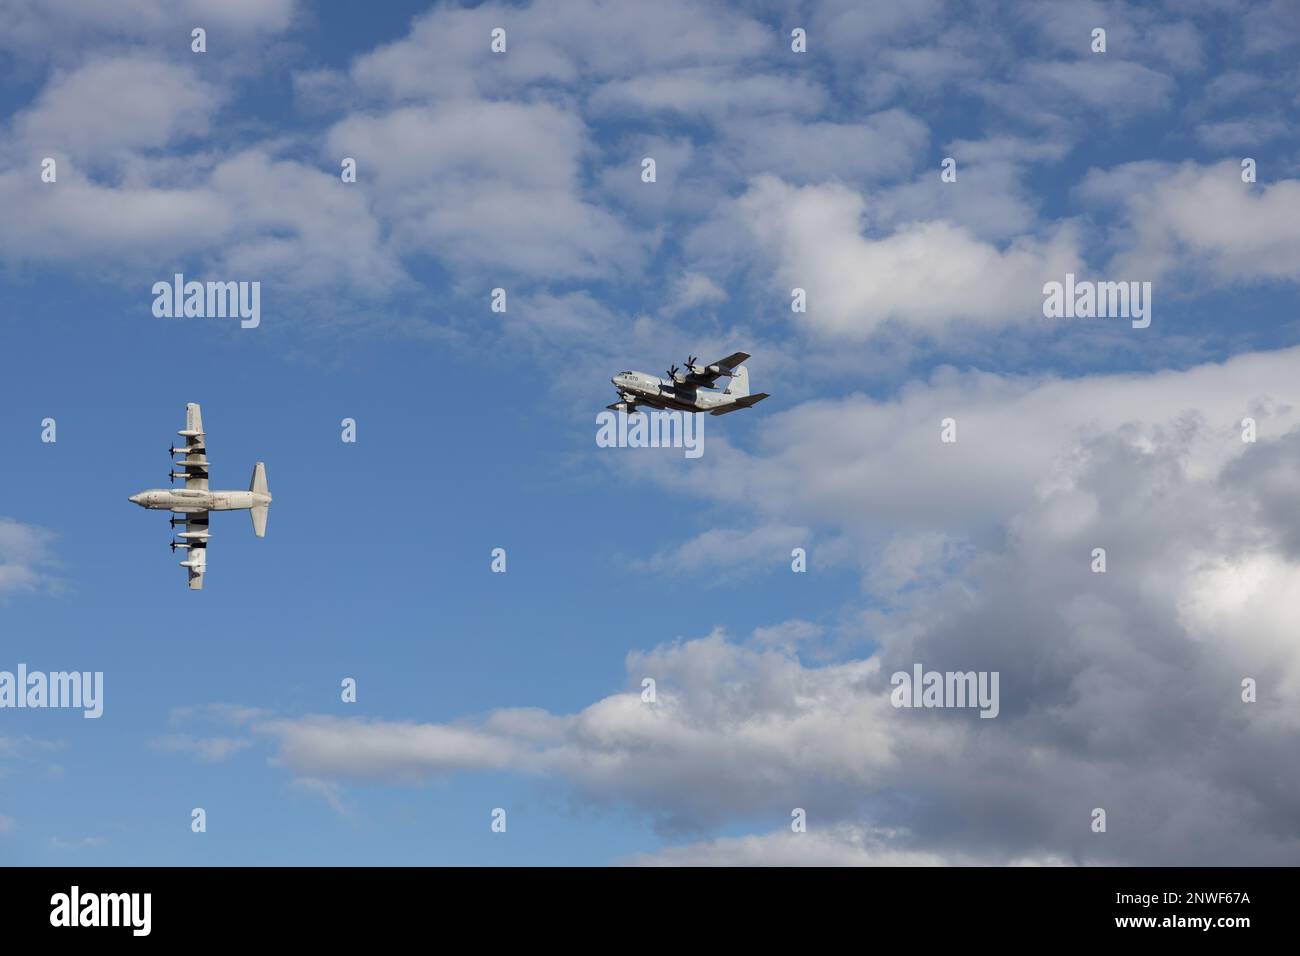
(446, 53)
(1247, 133)
(357, 749)
(206, 749)
(710, 92)
(249, 216)
(26, 559)
(51, 27)
(693, 289)
(837, 845)
(848, 28)
(722, 554)
(924, 275)
(863, 463)
(1133, 31)
(110, 104)
(883, 145)
(1118, 89)
(750, 720)
(142, 191)
(488, 186)
(1196, 219)
(990, 199)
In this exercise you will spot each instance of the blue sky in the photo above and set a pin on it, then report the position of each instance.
(476, 430)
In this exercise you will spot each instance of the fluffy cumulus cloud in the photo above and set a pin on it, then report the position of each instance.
(483, 161)
(931, 274)
(252, 215)
(118, 103)
(554, 42)
(60, 27)
(525, 167)
(138, 194)
(488, 186)
(994, 202)
(1200, 222)
(878, 465)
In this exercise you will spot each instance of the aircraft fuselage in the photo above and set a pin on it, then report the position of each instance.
(657, 392)
(186, 500)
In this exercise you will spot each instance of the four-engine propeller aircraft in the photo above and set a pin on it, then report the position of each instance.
(194, 501)
(691, 390)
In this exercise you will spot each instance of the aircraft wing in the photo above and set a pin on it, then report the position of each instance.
(731, 361)
(707, 377)
(194, 466)
(196, 558)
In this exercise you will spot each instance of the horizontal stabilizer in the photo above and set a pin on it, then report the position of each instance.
(740, 403)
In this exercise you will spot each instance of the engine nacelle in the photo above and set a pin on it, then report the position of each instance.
(193, 536)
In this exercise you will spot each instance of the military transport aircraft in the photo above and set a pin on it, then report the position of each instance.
(194, 501)
(690, 390)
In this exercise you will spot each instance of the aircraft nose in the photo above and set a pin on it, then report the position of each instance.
(135, 499)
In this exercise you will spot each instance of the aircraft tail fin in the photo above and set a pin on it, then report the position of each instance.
(258, 512)
(739, 386)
